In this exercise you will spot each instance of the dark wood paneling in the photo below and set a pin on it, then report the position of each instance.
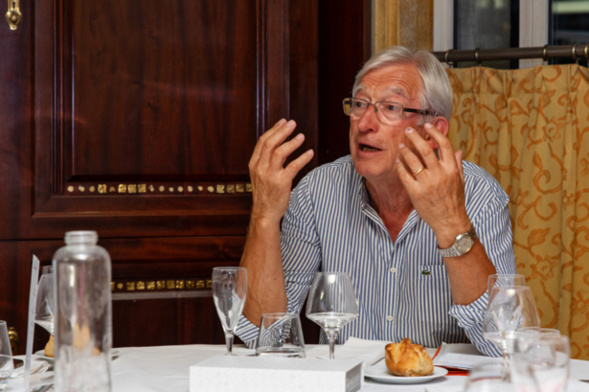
(136, 118)
(151, 106)
(166, 322)
(344, 45)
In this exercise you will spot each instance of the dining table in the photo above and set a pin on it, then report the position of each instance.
(167, 369)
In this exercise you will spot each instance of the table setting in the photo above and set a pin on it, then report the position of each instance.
(167, 368)
(534, 359)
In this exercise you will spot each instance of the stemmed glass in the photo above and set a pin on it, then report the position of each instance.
(45, 303)
(488, 377)
(332, 304)
(544, 354)
(505, 280)
(6, 363)
(229, 291)
(510, 308)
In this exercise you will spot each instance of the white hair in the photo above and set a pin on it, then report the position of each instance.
(437, 92)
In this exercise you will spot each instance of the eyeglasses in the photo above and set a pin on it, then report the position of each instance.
(386, 111)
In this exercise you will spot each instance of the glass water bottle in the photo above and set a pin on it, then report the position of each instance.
(83, 323)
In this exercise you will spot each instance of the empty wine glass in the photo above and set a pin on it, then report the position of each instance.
(332, 304)
(505, 280)
(45, 303)
(510, 308)
(229, 291)
(488, 377)
(6, 363)
(544, 353)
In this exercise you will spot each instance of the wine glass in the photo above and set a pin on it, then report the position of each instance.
(545, 354)
(229, 290)
(505, 280)
(488, 377)
(510, 308)
(6, 363)
(45, 303)
(332, 304)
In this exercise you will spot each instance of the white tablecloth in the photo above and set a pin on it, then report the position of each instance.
(166, 369)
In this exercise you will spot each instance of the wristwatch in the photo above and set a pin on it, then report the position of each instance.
(462, 245)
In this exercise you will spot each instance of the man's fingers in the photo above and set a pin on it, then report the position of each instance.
(402, 172)
(412, 163)
(262, 140)
(274, 140)
(422, 148)
(294, 167)
(458, 156)
(445, 149)
(285, 149)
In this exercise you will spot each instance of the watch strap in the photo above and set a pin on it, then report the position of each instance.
(454, 250)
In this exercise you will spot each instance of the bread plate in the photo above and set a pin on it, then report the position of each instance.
(114, 354)
(380, 373)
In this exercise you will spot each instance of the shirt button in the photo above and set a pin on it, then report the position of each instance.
(393, 270)
(389, 318)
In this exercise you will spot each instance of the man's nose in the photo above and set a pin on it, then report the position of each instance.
(369, 118)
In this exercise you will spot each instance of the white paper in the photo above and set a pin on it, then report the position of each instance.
(461, 356)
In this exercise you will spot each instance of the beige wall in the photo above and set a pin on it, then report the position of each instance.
(402, 22)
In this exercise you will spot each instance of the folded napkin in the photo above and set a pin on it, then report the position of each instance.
(369, 351)
(461, 356)
(38, 366)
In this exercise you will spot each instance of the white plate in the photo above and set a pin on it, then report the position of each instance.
(380, 373)
(114, 354)
(41, 355)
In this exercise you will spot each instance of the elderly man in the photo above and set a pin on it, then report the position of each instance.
(418, 229)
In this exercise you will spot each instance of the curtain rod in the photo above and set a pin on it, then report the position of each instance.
(575, 51)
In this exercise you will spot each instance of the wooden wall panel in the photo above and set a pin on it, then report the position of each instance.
(147, 108)
(137, 118)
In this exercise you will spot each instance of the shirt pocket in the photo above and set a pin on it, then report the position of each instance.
(433, 294)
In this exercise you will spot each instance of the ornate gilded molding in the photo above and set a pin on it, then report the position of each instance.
(152, 285)
(151, 189)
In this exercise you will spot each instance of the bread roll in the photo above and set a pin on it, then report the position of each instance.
(408, 359)
(49, 347)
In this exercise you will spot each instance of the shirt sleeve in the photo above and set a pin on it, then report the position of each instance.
(247, 331)
(300, 245)
(301, 257)
(493, 226)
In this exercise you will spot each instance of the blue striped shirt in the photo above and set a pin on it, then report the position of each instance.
(402, 286)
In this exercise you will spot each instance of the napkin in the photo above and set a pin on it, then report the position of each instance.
(369, 351)
(461, 356)
(38, 365)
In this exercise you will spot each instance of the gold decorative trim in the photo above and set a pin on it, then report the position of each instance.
(130, 286)
(172, 189)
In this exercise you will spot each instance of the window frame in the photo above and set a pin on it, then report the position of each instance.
(533, 26)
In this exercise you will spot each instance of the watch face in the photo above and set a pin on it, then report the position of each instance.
(464, 243)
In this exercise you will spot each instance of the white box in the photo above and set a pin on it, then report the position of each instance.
(264, 374)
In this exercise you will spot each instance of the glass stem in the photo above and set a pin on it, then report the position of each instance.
(229, 343)
(331, 338)
(506, 366)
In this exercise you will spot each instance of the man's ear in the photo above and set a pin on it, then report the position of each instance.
(442, 124)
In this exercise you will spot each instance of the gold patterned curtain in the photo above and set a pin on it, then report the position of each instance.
(530, 129)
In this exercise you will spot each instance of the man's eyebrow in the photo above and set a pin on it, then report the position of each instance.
(393, 89)
(359, 88)
(397, 91)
